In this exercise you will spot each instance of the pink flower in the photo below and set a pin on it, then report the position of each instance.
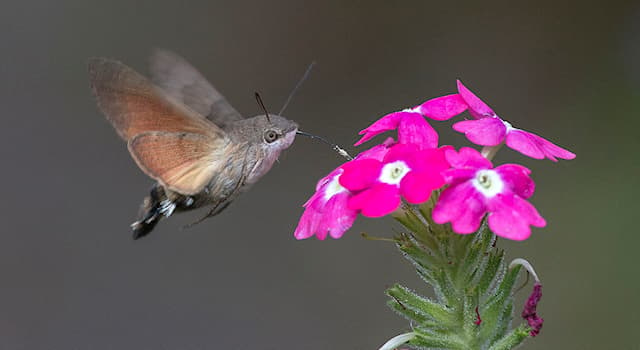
(406, 170)
(490, 130)
(327, 212)
(411, 125)
(475, 188)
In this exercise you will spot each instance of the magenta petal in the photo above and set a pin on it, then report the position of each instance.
(377, 152)
(414, 129)
(312, 217)
(421, 160)
(536, 147)
(337, 217)
(461, 205)
(511, 216)
(376, 201)
(307, 225)
(416, 187)
(467, 158)
(430, 160)
(484, 132)
(477, 108)
(444, 107)
(401, 152)
(516, 177)
(320, 217)
(325, 180)
(360, 174)
(455, 176)
(386, 123)
(521, 142)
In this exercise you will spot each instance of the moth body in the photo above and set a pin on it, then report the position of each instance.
(184, 134)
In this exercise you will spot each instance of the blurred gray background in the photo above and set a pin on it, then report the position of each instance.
(72, 278)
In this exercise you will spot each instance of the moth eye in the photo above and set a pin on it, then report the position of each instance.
(270, 136)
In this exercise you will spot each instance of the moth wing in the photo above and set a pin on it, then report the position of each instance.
(183, 162)
(183, 82)
(134, 105)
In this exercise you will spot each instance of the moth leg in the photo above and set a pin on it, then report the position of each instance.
(152, 211)
(223, 203)
(153, 207)
(166, 207)
(218, 207)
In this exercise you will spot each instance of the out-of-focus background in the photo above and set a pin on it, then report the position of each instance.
(72, 278)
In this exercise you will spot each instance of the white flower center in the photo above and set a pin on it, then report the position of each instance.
(488, 182)
(392, 173)
(334, 187)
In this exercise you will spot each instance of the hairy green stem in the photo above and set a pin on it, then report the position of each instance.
(474, 288)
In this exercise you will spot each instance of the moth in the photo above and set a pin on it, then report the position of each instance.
(184, 134)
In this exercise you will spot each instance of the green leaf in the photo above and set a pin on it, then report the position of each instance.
(494, 309)
(490, 271)
(409, 314)
(421, 306)
(477, 255)
(419, 256)
(437, 341)
(513, 339)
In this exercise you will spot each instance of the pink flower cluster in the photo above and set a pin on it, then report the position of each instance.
(376, 182)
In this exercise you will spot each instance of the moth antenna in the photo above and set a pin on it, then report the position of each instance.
(335, 147)
(261, 104)
(297, 87)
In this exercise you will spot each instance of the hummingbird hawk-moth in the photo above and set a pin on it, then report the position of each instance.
(185, 135)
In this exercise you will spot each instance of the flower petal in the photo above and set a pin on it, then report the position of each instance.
(461, 205)
(325, 180)
(444, 107)
(477, 108)
(386, 123)
(516, 177)
(484, 132)
(414, 129)
(467, 158)
(322, 216)
(520, 141)
(536, 147)
(401, 152)
(511, 216)
(377, 152)
(430, 160)
(308, 224)
(337, 217)
(360, 174)
(377, 201)
(456, 176)
(416, 187)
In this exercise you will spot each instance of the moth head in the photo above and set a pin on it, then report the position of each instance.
(278, 132)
